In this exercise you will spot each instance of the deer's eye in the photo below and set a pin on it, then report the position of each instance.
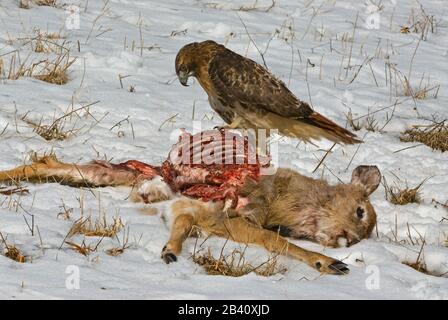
(360, 212)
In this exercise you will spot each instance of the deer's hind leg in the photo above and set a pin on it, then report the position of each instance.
(39, 170)
(49, 169)
(240, 230)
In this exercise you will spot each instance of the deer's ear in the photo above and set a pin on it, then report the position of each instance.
(368, 177)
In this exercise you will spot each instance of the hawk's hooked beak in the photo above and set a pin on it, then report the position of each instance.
(183, 78)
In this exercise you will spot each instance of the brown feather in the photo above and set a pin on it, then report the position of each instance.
(336, 133)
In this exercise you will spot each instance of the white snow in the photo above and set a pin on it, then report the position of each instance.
(133, 125)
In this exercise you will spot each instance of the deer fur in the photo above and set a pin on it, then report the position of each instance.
(284, 204)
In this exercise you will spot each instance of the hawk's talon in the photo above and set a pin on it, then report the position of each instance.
(221, 128)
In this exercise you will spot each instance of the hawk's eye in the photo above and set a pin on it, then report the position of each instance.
(183, 68)
(360, 212)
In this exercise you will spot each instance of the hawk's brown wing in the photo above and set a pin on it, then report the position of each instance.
(242, 80)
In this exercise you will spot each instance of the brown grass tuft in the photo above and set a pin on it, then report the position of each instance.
(44, 42)
(52, 71)
(423, 90)
(83, 248)
(421, 23)
(235, 264)
(89, 227)
(116, 251)
(370, 123)
(11, 251)
(14, 190)
(401, 84)
(356, 125)
(123, 245)
(26, 4)
(401, 196)
(49, 3)
(56, 71)
(420, 265)
(97, 228)
(55, 131)
(434, 135)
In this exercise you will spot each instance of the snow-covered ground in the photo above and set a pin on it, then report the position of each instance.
(309, 45)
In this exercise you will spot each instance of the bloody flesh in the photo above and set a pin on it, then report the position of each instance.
(211, 165)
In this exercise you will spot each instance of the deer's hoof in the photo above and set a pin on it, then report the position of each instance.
(168, 256)
(339, 267)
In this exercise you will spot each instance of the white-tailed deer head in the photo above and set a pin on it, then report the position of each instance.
(307, 208)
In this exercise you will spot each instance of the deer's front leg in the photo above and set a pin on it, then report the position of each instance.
(182, 216)
(238, 229)
(180, 230)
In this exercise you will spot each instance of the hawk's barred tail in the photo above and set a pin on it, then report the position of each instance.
(333, 131)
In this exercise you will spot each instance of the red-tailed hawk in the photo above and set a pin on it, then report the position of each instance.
(246, 95)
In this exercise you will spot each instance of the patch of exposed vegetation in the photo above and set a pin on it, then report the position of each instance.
(434, 135)
(235, 264)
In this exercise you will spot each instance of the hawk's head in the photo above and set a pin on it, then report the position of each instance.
(185, 65)
(194, 56)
